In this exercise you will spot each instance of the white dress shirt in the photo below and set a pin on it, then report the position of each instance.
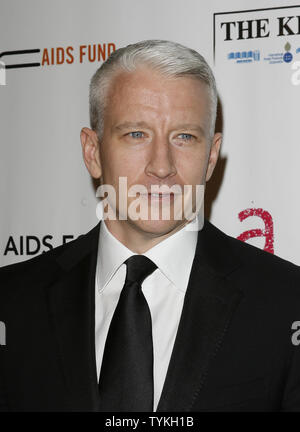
(164, 291)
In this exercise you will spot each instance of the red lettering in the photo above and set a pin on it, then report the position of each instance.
(267, 232)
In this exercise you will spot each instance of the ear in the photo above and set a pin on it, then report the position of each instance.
(214, 154)
(90, 151)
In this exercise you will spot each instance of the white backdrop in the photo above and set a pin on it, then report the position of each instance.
(47, 196)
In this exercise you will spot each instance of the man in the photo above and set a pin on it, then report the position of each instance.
(144, 314)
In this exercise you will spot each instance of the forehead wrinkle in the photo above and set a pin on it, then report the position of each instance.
(151, 104)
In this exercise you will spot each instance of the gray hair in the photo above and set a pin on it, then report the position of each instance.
(169, 58)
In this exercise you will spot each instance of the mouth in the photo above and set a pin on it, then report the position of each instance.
(160, 196)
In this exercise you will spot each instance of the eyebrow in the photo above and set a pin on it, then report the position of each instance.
(127, 125)
(191, 126)
(143, 124)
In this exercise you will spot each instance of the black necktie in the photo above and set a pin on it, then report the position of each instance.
(126, 376)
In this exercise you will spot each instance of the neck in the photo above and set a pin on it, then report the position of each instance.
(135, 238)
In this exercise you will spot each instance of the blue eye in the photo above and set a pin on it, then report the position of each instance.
(186, 136)
(136, 134)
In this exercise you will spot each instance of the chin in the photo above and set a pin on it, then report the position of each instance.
(157, 227)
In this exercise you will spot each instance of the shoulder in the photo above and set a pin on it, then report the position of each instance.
(262, 261)
(42, 261)
(249, 254)
(22, 278)
(259, 272)
(44, 268)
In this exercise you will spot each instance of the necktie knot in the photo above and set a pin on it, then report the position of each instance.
(138, 268)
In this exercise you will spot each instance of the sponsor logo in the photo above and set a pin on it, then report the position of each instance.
(235, 31)
(267, 232)
(244, 56)
(31, 244)
(54, 56)
(280, 57)
(287, 56)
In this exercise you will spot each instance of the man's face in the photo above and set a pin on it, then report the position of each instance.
(156, 132)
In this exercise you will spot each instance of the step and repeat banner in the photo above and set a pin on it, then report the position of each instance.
(50, 50)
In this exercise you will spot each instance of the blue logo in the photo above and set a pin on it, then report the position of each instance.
(287, 57)
(244, 56)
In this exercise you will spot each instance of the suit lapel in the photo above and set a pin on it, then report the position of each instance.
(72, 311)
(209, 305)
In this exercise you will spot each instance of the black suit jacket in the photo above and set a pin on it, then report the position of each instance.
(233, 349)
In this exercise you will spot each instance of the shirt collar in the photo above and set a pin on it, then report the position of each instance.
(173, 256)
(111, 255)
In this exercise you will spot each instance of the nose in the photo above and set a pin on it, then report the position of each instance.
(161, 159)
